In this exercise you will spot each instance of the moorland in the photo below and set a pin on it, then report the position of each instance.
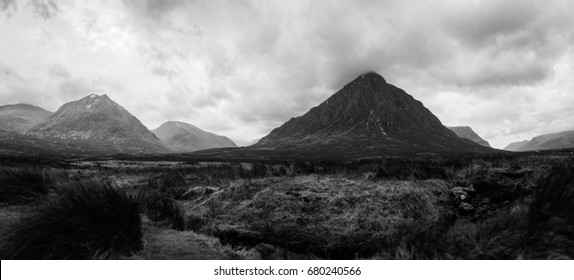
(488, 206)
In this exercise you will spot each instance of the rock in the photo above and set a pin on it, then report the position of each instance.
(458, 194)
(465, 208)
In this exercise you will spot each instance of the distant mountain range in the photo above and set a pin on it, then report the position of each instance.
(184, 137)
(94, 125)
(19, 118)
(98, 119)
(367, 118)
(561, 140)
(467, 133)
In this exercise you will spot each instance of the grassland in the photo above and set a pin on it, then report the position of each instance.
(509, 206)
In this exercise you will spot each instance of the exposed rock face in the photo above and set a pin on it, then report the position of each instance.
(97, 123)
(368, 117)
(19, 118)
(467, 133)
(561, 140)
(184, 137)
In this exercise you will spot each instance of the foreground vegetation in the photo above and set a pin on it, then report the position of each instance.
(491, 207)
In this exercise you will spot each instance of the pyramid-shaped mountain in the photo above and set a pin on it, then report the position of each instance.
(184, 137)
(18, 118)
(95, 123)
(367, 118)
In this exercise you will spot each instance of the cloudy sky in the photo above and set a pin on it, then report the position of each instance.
(240, 68)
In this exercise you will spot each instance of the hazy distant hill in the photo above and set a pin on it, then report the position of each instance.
(366, 118)
(97, 122)
(467, 133)
(184, 137)
(516, 146)
(20, 117)
(561, 140)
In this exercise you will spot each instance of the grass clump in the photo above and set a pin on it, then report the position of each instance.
(158, 203)
(85, 220)
(23, 185)
(551, 218)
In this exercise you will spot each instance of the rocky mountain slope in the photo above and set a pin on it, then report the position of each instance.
(19, 118)
(184, 137)
(97, 124)
(367, 118)
(561, 140)
(467, 133)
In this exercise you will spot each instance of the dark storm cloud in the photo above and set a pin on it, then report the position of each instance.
(153, 8)
(507, 42)
(8, 4)
(527, 74)
(44, 8)
(254, 64)
(480, 23)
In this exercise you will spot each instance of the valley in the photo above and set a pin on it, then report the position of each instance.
(432, 207)
(369, 173)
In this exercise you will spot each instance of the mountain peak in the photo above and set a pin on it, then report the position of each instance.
(371, 74)
(370, 77)
(368, 116)
(96, 97)
(177, 125)
(98, 119)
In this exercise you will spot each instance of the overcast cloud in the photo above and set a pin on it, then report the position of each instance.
(242, 68)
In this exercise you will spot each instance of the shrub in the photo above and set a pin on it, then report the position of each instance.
(23, 185)
(172, 184)
(160, 207)
(84, 220)
(551, 219)
(499, 237)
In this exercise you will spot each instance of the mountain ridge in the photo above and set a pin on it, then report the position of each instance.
(466, 132)
(185, 137)
(366, 118)
(98, 119)
(551, 141)
(20, 117)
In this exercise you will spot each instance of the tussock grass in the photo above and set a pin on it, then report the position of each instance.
(24, 185)
(85, 220)
(551, 219)
(158, 202)
(500, 237)
(394, 208)
(321, 216)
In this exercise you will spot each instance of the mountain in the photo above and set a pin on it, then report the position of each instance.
(96, 124)
(19, 118)
(367, 118)
(467, 133)
(516, 146)
(252, 142)
(184, 137)
(554, 141)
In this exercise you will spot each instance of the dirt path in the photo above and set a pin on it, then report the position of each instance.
(167, 244)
